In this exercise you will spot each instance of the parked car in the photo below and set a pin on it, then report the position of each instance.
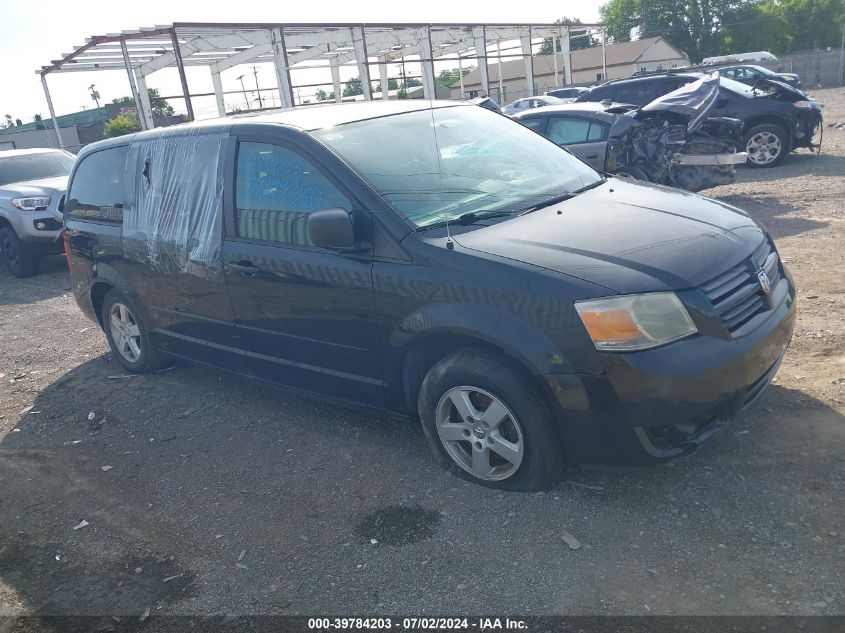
(567, 94)
(777, 118)
(463, 270)
(751, 74)
(733, 58)
(521, 105)
(670, 141)
(32, 182)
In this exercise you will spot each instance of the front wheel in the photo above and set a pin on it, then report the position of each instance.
(20, 261)
(486, 423)
(766, 145)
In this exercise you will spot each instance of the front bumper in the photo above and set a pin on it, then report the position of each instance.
(652, 406)
(808, 130)
(736, 158)
(40, 230)
(39, 227)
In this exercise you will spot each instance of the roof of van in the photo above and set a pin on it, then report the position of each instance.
(307, 118)
(315, 117)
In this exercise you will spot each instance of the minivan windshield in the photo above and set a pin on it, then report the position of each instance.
(443, 163)
(34, 166)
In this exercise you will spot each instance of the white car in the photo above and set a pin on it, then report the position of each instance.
(567, 94)
(527, 103)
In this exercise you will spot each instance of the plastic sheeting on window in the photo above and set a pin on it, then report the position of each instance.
(173, 218)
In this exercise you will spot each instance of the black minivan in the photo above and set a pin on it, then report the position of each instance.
(440, 262)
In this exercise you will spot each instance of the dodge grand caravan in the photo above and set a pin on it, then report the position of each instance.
(440, 262)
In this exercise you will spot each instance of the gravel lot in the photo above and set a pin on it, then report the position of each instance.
(208, 494)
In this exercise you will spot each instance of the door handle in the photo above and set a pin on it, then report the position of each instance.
(591, 156)
(244, 268)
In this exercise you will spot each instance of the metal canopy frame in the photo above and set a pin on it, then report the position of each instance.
(220, 46)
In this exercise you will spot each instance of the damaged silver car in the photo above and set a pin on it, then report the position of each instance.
(671, 141)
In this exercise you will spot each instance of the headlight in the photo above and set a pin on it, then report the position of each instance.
(31, 204)
(633, 322)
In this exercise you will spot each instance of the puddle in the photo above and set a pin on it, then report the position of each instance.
(399, 525)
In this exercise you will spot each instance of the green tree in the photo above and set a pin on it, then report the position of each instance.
(448, 78)
(695, 27)
(353, 88)
(812, 23)
(712, 27)
(392, 84)
(321, 95)
(8, 122)
(759, 26)
(123, 123)
(158, 104)
(402, 94)
(586, 41)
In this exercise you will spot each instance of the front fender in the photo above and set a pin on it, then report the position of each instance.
(518, 338)
(11, 217)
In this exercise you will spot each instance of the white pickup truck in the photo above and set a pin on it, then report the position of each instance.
(32, 184)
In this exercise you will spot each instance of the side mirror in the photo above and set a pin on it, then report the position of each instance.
(331, 228)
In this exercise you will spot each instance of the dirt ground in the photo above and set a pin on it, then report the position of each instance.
(207, 494)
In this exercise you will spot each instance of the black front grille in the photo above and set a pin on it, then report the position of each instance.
(737, 295)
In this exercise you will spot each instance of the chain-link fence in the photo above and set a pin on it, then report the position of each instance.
(817, 69)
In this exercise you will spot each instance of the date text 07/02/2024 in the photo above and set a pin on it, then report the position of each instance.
(417, 623)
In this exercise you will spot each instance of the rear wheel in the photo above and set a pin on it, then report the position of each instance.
(20, 261)
(766, 145)
(485, 422)
(128, 335)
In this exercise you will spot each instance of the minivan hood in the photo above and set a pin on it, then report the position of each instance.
(627, 236)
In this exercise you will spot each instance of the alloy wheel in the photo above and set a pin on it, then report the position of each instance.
(480, 433)
(763, 148)
(125, 332)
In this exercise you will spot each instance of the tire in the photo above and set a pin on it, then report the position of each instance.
(20, 261)
(517, 424)
(772, 138)
(136, 351)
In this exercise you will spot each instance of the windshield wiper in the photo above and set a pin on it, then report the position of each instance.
(466, 218)
(562, 197)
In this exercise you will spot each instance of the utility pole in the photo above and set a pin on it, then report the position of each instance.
(243, 89)
(404, 80)
(842, 58)
(96, 97)
(94, 94)
(461, 73)
(257, 89)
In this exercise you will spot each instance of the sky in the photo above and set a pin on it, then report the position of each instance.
(33, 34)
